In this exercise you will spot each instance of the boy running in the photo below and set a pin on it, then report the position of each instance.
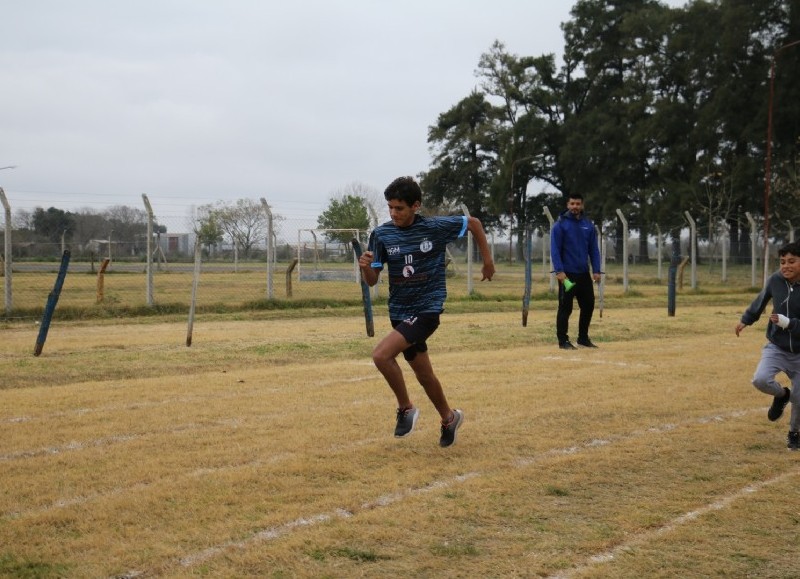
(413, 247)
(782, 350)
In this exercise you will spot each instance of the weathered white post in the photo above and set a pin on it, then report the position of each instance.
(725, 249)
(624, 251)
(659, 249)
(149, 259)
(270, 247)
(753, 239)
(545, 250)
(693, 248)
(469, 253)
(7, 253)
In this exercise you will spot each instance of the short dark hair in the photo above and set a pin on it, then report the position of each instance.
(575, 196)
(404, 189)
(793, 248)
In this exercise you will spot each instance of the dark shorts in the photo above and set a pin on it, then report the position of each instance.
(416, 331)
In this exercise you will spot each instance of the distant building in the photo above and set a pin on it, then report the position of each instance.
(175, 243)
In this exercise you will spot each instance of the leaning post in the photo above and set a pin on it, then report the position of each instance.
(550, 220)
(624, 250)
(7, 254)
(149, 259)
(692, 246)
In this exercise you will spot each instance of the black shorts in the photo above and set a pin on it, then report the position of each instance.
(416, 330)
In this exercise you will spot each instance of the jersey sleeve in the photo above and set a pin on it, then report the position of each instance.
(453, 226)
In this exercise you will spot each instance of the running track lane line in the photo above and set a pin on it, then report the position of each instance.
(277, 531)
(642, 538)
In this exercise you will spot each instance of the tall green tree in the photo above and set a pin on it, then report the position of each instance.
(784, 53)
(52, 223)
(344, 212)
(655, 111)
(208, 231)
(465, 151)
(606, 143)
(528, 110)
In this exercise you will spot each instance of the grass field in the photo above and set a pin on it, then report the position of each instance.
(266, 449)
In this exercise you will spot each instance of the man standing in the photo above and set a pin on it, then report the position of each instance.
(573, 244)
(782, 350)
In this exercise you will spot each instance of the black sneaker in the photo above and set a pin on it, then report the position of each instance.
(586, 343)
(778, 404)
(406, 420)
(449, 431)
(793, 441)
(567, 346)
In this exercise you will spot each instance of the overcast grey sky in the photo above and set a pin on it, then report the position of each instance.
(195, 101)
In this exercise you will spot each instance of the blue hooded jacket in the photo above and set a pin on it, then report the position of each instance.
(573, 244)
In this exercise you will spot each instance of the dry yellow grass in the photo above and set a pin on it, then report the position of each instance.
(266, 449)
(173, 286)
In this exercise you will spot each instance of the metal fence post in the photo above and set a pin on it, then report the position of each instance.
(624, 251)
(693, 247)
(149, 257)
(7, 264)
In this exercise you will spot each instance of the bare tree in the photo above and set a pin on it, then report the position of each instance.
(23, 219)
(243, 222)
(716, 200)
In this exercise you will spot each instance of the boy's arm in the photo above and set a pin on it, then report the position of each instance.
(754, 310)
(475, 227)
(368, 273)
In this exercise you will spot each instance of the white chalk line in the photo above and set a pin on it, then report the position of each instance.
(208, 471)
(641, 538)
(281, 530)
(275, 532)
(598, 361)
(139, 487)
(715, 418)
(75, 446)
(278, 531)
(183, 399)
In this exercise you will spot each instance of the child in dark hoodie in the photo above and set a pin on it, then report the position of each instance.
(782, 351)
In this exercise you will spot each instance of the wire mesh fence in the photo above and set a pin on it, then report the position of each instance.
(149, 260)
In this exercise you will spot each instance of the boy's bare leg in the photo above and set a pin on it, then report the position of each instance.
(384, 355)
(423, 370)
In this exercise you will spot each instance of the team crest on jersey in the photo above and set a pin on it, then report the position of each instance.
(425, 246)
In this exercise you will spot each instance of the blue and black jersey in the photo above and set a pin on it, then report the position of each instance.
(415, 256)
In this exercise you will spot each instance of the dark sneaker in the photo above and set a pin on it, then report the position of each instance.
(406, 420)
(778, 404)
(449, 431)
(586, 343)
(567, 346)
(793, 441)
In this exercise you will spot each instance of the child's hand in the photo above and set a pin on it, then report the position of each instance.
(779, 320)
(365, 260)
